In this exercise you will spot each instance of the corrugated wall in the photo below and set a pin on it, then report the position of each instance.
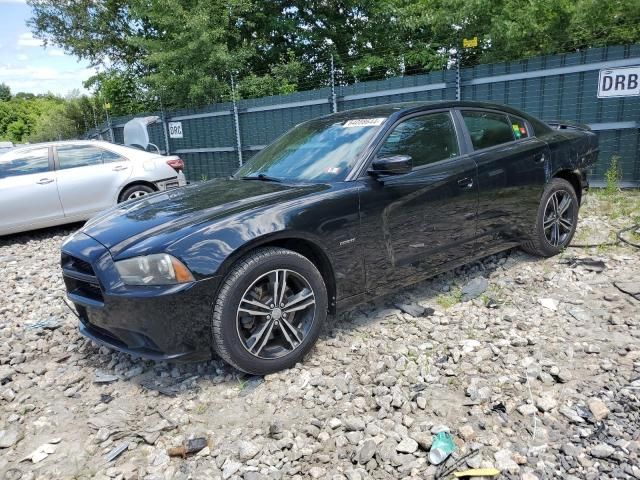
(551, 87)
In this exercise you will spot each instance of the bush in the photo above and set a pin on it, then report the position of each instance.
(612, 176)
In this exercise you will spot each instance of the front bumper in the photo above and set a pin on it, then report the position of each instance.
(157, 322)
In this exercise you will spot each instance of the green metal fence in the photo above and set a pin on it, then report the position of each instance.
(217, 138)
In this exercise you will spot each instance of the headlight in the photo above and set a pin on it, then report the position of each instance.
(158, 269)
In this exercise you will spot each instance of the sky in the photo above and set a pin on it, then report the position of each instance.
(27, 66)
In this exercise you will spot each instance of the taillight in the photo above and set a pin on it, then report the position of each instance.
(177, 164)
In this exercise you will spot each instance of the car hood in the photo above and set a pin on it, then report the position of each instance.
(169, 212)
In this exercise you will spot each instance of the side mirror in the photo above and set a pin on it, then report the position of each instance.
(395, 165)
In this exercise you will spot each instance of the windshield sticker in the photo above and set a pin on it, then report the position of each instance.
(334, 170)
(364, 122)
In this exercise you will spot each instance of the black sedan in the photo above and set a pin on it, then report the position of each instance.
(337, 210)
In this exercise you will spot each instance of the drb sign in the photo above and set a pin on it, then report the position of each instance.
(619, 82)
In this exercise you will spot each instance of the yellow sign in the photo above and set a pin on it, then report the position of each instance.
(470, 42)
(107, 106)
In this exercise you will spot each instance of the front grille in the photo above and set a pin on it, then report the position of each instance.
(80, 278)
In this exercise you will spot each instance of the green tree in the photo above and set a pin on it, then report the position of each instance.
(5, 92)
(184, 51)
(122, 90)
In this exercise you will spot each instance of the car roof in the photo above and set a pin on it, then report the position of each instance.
(407, 107)
(123, 149)
(397, 110)
(66, 142)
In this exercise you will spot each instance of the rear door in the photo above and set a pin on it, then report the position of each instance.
(28, 193)
(89, 178)
(415, 222)
(511, 175)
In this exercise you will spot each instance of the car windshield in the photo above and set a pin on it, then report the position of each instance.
(319, 150)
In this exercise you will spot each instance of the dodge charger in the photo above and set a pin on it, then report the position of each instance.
(338, 210)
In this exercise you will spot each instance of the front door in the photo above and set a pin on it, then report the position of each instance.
(415, 222)
(28, 191)
(511, 176)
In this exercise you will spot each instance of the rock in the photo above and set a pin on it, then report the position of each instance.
(598, 408)
(424, 440)
(474, 288)
(571, 450)
(562, 375)
(407, 445)
(527, 409)
(367, 451)
(466, 432)
(412, 309)
(571, 414)
(10, 436)
(276, 428)
(592, 348)
(40, 453)
(229, 468)
(505, 462)
(247, 450)
(334, 423)
(580, 315)
(546, 403)
(529, 476)
(602, 450)
(6, 372)
(353, 424)
(316, 472)
(549, 303)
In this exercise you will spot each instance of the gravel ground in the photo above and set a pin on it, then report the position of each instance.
(539, 376)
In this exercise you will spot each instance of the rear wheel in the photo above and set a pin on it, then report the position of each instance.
(556, 220)
(135, 191)
(270, 311)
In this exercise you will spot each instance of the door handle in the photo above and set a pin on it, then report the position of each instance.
(119, 168)
(466, 182)
(539, 158)
(44, 181)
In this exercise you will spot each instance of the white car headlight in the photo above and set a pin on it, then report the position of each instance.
(157, 269)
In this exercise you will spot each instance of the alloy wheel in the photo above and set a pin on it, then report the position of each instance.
(275, 314)
(136, 194)
(559, 218)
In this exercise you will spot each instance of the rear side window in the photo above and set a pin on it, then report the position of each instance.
(427, 139)
(73, 156)
(519, 128)
(24, 162)
(488, 129)
(108, 157)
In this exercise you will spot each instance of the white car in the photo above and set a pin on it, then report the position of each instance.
(63, 182)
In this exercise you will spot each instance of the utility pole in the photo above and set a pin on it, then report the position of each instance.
(107, 106)
(164, 128)
(334, 100)
(236, 120)
(458, 86)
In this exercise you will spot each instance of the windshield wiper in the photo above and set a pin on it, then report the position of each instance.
(263, 177)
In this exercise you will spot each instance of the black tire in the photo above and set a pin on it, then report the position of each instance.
(230, 325)
(546, 241)
(135, 191)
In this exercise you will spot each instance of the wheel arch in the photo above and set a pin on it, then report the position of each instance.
(306, 247)
(574, 178)
(134, 183)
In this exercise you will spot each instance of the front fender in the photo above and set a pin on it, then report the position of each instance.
(330, 224)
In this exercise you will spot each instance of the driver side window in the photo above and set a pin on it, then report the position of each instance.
(426, 139)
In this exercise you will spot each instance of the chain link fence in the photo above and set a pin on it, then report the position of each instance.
(217, 138)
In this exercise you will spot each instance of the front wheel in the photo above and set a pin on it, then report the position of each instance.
(270, 311)
(556, 220)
